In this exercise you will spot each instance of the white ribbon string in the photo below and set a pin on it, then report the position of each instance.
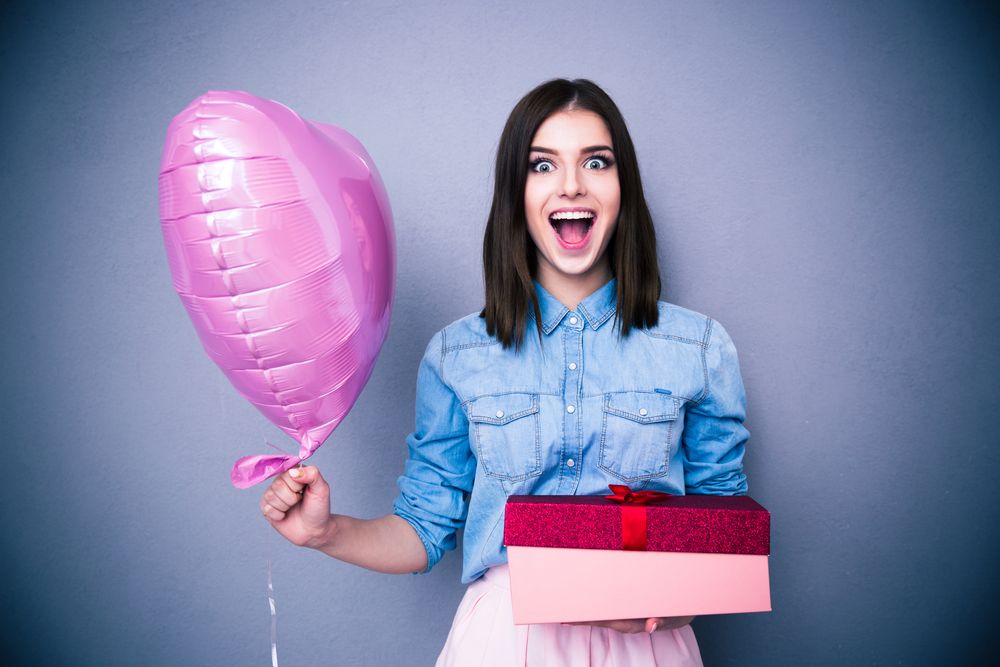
(274, 617)
(270, 588)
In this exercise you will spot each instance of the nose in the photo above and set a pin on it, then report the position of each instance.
(572, 184)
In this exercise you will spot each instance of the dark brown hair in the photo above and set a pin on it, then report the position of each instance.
(509, 259)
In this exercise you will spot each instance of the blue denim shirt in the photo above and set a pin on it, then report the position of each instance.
(660, 409)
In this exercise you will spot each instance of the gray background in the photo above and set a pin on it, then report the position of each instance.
(824, 181)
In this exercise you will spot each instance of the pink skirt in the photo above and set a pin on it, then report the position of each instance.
(483, 633)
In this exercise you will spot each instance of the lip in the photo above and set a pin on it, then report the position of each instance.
(582, 243)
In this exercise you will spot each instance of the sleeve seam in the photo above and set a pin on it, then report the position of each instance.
(444, 347)
(705, 341)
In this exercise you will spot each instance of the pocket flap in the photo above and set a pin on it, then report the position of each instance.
(641, 406)
(503, 408)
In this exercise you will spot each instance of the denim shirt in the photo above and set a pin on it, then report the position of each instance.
(660, 409)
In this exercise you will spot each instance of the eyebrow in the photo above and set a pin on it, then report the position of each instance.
(588, 149)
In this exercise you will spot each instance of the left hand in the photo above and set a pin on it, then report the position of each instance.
(649, 625)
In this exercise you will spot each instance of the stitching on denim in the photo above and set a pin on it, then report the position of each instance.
(640, 390)
(512, 390)
(562, 383)
(579, 400)
(534, 472)
(517, 390)
(679, 339)
(466, 346)
(506, 419)
(604, 438)
(536, 469)
(538, 439)
(486, 542)
(444, 351)
(607, 315)
(704, 360)
(477, 439)
(595, 321)
(670, 447)
(586, 313)
(556, 319)
(637, 417)
(636, 478)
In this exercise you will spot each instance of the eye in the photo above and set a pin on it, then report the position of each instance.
(596, 162)
(541, 166)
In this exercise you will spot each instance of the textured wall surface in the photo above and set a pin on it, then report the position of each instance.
(824, 181)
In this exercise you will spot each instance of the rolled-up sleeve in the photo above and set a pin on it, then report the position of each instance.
(439, 473)
(714, 436)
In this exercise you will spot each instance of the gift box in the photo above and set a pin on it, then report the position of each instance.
(635, 555)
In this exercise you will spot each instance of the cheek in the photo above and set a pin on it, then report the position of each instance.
(613, 197)
(533, 205)
(611, 202)
(534, 198)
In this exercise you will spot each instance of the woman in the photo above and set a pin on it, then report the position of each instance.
(572, 377)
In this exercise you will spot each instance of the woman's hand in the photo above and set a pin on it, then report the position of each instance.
(297, 505)
(649, 625)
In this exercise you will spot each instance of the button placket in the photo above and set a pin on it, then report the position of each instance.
(573, 346)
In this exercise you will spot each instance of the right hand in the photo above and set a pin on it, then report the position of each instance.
(299, 507)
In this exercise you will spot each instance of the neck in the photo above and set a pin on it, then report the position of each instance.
(571, 290)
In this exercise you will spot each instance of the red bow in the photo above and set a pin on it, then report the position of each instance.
(634, 514)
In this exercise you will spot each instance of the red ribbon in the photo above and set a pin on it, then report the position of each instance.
(634, 514)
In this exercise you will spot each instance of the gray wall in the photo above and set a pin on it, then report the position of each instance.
(824, 180)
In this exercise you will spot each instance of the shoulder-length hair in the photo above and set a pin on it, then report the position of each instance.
(509, 259)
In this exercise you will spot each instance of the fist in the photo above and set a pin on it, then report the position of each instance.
(297, 505)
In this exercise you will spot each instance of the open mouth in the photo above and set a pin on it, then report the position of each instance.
(572, 227)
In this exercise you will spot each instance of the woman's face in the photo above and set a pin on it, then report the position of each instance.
(572, 198)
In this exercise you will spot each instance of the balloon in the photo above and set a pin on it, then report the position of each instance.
(280, 241)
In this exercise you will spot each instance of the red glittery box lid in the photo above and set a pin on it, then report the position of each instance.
(692, 523)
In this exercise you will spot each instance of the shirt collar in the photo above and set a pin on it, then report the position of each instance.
(597, 308)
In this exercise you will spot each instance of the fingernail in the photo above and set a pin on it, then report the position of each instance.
(294, 472)
(656, 624)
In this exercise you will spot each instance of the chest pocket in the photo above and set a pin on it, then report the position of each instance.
(637, 435)
(505, 433)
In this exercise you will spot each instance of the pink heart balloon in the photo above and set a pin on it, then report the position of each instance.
(280, 242)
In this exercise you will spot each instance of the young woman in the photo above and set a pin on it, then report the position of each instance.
(572, 377)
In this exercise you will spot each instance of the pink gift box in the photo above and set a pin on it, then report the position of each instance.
(591, 558)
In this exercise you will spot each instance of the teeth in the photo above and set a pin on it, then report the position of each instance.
(571, 215)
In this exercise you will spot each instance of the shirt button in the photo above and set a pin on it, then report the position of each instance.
(570, 462)
(572, 365)
(642, 411)
(571, 409)
(499, 414)
(573, 320)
